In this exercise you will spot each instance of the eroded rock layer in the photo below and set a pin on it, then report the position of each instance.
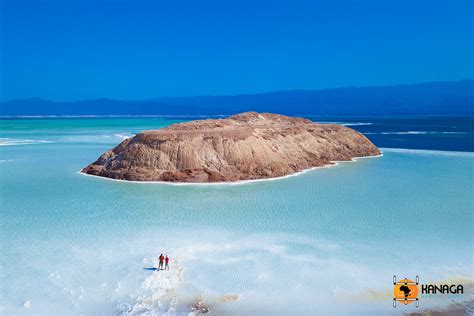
(242, 147)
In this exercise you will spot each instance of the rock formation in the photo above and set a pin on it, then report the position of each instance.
(242, 147)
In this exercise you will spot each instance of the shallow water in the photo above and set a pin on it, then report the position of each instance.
(327, 240)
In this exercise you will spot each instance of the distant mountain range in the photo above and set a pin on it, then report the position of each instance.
(433, 98)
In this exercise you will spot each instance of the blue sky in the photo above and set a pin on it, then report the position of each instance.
(72, 50)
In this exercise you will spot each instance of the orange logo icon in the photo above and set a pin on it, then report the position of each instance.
(405, 291)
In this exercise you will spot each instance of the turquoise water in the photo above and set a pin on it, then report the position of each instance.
(327, 240)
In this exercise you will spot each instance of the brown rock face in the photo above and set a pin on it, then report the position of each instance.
(242, 147)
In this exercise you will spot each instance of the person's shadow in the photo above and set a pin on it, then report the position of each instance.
(151, 269)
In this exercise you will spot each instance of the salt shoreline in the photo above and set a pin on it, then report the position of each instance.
(334, 163)
(429, 152)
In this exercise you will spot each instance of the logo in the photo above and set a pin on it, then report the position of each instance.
(405, 291)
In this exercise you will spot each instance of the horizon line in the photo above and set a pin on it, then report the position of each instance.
(185, 116)
(235, 95)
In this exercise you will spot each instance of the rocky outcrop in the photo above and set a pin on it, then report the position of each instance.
(241, 147)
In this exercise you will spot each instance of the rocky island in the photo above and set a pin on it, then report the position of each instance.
(241, 147)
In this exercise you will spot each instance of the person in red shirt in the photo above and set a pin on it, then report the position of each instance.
(167, 260)
(160, 265)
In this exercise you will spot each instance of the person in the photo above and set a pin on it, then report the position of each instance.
(167, 260)
(160, 266)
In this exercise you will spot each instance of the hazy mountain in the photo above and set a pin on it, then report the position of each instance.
(434, 98)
